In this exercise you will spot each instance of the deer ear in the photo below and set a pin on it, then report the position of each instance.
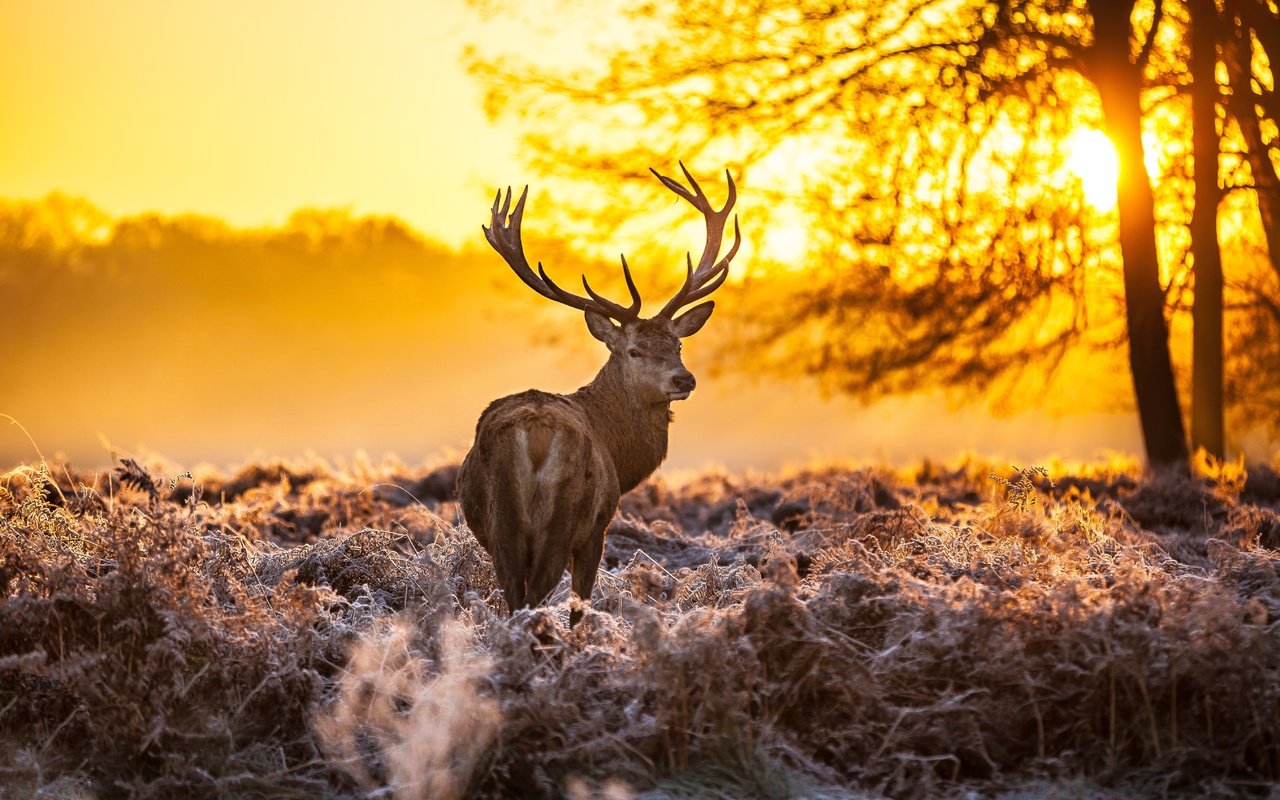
(691, 321)
(603, 328)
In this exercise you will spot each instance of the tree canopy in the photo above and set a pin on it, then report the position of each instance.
(923, 148)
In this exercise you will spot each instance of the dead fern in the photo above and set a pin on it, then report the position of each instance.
(1019, 488)
(889, 640)
(131, 473)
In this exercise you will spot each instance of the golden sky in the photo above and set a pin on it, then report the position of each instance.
(248, 110)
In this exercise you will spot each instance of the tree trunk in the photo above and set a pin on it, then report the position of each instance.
(1207, 426)
(1119, 83)
(1240, 21)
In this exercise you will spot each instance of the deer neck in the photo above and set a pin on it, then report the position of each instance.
(633, 432)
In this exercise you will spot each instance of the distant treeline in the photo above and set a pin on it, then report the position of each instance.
(338, 333)
(63, 261)
(154, 328)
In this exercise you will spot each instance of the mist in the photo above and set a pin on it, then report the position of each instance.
(334, 337)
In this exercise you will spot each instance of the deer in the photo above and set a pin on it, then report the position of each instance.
(546, 471)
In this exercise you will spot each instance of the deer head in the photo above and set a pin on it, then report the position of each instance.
(645, 351)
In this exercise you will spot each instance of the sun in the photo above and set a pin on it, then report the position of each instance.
(787, 238)
(1092, 158)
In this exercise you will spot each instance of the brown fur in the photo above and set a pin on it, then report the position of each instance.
(546, 471)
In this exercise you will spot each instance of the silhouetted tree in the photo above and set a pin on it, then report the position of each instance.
(950, 247)
(1243, 37)
(1118, 76)
(1249, 38)
(1207, 412)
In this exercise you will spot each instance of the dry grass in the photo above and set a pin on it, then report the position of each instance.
(300, 631)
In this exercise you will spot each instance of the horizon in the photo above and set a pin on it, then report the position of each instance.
(152, 110)
(733, 420)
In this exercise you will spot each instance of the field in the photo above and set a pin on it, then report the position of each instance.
(971, 630)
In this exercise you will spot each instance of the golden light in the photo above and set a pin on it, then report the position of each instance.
(786, 173)
(786, 239)
(1091, 157)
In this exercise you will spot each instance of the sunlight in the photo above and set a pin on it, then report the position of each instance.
(787, 172)
(786, 239)
(1091, 157)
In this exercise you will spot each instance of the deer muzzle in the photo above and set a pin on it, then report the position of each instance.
(682, 384)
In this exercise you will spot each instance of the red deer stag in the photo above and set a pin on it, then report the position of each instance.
(544, 476)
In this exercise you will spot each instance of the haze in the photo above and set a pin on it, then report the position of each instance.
(245, 112)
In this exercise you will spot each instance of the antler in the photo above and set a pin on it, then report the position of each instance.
(503, 234)
(704, 280)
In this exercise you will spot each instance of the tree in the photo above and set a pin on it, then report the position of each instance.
(950, 245)
(1119, 81)
(1207, 412)
(1249, 38)
(1242, 37)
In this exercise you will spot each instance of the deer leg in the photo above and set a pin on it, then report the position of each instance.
(583, 567)
(510, 567)
(546, 574)
(549, 551)
(513, 590)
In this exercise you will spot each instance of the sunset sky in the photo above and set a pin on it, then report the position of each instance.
(248, 111)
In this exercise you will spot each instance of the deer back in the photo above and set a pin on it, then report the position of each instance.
(536, 483)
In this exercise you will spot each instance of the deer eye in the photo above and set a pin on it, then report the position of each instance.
(635, 353)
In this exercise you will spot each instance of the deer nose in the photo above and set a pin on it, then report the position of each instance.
(684, 381)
